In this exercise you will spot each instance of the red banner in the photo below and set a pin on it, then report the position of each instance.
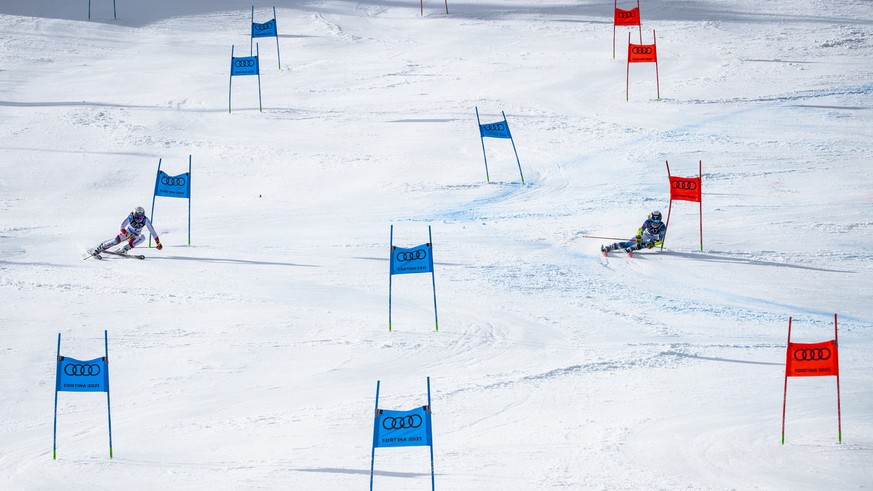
(642, 53)
(627, 17)
(685, 188)
(812, 360)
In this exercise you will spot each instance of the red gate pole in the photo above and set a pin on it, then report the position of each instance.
(627, 75)
(657, 78)
(670, 207)
(785, 392)
(615, 6)
(700, 173)
(839, 416)
(640, 23)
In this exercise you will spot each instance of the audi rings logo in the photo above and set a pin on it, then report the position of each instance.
(495, 127)
(266, 26)
(642, 50)
(812, 354)
(404, 422)
(416, 255)
(80, 370)
(626, 14)
(173, 181)
(687, 185)
(243, 63)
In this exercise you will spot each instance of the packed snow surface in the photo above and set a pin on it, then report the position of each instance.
(249, 359)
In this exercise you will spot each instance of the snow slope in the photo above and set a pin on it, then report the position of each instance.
(249, 360)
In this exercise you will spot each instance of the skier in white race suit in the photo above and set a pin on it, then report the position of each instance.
(131, 231)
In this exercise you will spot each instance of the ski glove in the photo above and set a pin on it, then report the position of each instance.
(638, 238)
(650, 245)
(158, 244)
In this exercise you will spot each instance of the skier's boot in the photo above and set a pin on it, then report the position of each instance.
(124, 249)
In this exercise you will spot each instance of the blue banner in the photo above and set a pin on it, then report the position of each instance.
(499, 129)
(82, 376)
(403, 428)
(244, 65)
(173, 186)
(265, 30)
(414, 260)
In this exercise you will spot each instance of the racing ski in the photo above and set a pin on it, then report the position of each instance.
(129, 256)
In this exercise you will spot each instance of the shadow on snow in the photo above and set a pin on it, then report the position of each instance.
(702, 256)
(335, 470)
(229, 261)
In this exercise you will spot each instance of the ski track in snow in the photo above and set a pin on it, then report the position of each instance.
(249, 360)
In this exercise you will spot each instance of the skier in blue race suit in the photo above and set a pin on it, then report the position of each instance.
(131, 231)
(649, 235)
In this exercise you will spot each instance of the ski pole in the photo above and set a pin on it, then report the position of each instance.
(598, 237)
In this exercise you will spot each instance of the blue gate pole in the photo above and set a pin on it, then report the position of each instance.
(373, 453)
(252, 31)
(390, 273)
(433, 279)
(57, 377)
(108, 406)
(115, 14)
(189, 200)
(276, 25)
(432, 479)
(89, 9)
(257, 55)
(484, 156)
(513, 147)
(230, 85)
(154, 195)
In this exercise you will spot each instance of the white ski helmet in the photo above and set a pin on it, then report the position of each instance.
(138, 213)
